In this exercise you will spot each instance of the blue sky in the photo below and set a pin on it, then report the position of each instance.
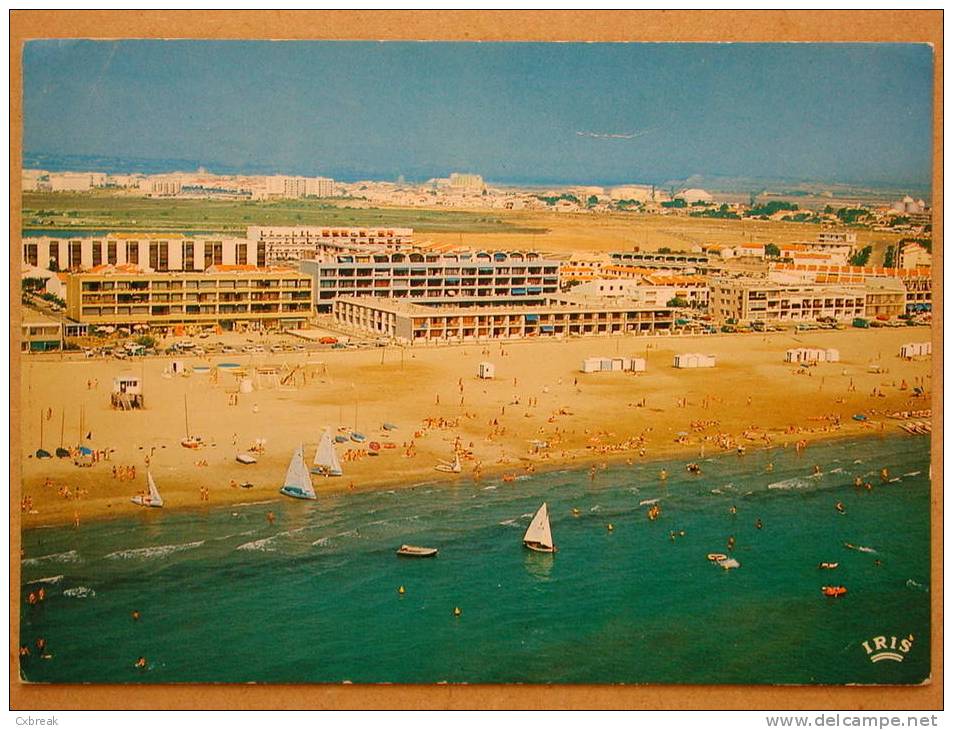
(515, 112)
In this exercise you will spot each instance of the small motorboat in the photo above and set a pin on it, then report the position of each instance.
(341, 439)
(246, 485)
(389, 427)
(827, 566)
(358, 438)
(833, 591)
(245, 458)
(415, 551)
(859, 417)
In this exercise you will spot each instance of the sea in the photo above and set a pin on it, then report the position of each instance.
(223, 595)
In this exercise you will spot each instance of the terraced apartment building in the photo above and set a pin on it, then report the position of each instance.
(465, 277)
(556, 317)
(275, 297)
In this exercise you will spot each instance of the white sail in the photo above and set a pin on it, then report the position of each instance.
(538, 530)
(155, 499)
(298, 474)
(325, 457)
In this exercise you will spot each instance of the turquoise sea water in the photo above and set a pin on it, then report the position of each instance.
(224, 596)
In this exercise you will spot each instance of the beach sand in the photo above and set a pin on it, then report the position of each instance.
(750, 390)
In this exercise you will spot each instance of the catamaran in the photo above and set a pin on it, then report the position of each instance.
(325, 458)
(453, 468)
(190, 441)
(298, 478)
(538, 535)
(154, 499)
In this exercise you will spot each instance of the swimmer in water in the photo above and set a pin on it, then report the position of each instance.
(271, 518)
(858, 482)
(758, 523)
(731, 542)
(135, 615)
(663, 475)
(840, 508)
(141, 663)
(770, 466)
(817, 469)
(733, 510)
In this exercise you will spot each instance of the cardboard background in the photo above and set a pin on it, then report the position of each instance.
(610, 26)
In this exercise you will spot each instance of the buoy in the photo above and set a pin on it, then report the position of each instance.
(575, 511)
(609, 527)
(401, 590)
(135, 615)
(457, 611)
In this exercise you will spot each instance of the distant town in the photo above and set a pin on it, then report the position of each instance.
(381, 282)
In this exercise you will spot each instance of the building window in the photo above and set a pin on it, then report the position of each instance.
(132, 252)
(111, 252)
(188, 256)
(31, 254)
(75, 254)
(261, 254)
(163, 256)
(154, 256)
(97, 253)
(241, 254)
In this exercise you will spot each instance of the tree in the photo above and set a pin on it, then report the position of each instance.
(890, 257)
(861, 257)
(53, 266)
(33, 283)
(771, 251)
(676, 302)
(592, 200)
(665, 249)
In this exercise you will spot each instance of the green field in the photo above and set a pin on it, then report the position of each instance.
(98, 211)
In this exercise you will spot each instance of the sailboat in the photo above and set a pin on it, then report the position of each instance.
(190, 441)
(154, 499)
(538, 536)
(42, 453)
(61, 452)
(298, 478)
(453, 468)
(325, 458)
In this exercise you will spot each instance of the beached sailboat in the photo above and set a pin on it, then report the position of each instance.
(62, 452)
(154, 499)
(451, 467)
(325, 458)
(42, 453)
(298, 478)
(190, 441)
(538, 535)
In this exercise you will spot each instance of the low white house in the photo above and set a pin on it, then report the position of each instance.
(694, 360)
(613, 364)
(916, 349)
(812, 354)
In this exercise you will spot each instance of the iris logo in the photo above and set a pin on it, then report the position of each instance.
(881, 648)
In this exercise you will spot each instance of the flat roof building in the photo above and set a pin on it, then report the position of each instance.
(272, 297)
(294, 243)
(464, 277)
(555, 317)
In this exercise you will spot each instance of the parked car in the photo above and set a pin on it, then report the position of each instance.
(328, 341)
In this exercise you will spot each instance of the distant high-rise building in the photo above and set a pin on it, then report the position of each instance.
(467, 182)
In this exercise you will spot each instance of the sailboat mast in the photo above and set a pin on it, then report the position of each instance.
(187, 432)
(62, 428)
(41, 428)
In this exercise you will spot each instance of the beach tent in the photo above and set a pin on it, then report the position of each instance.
(486, 371)
(177, 367)
(694, 360)
(591, 365)
(916, 349)
(636, 364)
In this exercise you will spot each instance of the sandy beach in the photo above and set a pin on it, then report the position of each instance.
(752, 399)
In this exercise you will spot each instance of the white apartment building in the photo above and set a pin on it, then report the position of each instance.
(287, 186)
(498, 277)
(293, 243)
(147, 251)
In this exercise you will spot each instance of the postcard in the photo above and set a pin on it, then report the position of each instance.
(442, 362)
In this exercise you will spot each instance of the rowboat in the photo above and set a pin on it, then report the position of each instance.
(415, 551)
